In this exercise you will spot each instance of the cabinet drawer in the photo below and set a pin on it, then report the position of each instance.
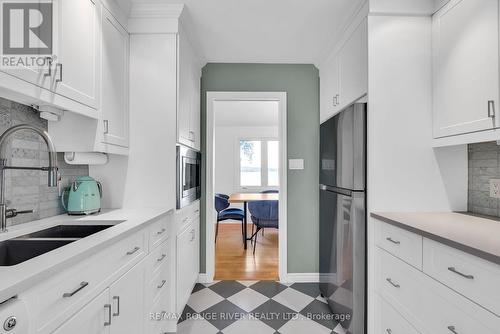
(470, 276)
(158, 232)
(447, 312)
(157, 258)
(55, 299)
(158, 317)
(397, 282)
(429, 305)
(390, 321)
(185, 216)
(403, 244)
(156, 286)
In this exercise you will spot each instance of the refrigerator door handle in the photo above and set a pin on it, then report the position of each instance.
(340, 191)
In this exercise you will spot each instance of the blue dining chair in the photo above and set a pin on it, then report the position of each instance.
(224, 212)
(264, 214)
(270, 191)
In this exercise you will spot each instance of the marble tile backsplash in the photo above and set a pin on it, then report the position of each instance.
(28, 189)
(484, 164)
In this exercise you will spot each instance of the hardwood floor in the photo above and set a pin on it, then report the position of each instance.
(232, 262)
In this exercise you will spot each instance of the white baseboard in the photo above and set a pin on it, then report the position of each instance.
(203, 278)
(290, 278)
(301, 278)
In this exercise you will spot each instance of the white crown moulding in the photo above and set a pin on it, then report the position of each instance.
(154, 18)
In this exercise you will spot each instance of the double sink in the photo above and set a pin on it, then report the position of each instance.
(21, 249)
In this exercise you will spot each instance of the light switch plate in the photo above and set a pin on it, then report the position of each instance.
(296, 164)
(495, 188)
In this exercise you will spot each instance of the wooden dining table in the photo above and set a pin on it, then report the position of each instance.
(250, 197)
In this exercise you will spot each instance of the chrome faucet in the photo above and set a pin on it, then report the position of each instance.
(51, 170)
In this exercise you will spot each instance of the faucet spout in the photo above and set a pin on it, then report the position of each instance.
(52, 175)
(52, 168)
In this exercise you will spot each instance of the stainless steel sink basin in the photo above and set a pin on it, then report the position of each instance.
(16, 251)
(28, 246)
(67, 231)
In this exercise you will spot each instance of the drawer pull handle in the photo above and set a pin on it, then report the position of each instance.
(161, 232)
(162, 284)
(71, 294)
(161, 257)
(117, 298)
(108, 323)
(452, 329)
(393, 241)
(392, 283)
(389, 331)
(453, 270)
(133, 251)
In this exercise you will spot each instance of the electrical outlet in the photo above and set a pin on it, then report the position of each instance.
(495, 188)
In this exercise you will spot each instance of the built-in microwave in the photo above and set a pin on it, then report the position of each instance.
(188, 176)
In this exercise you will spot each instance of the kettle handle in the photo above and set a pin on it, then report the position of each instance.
(65, 191)
(99, 186)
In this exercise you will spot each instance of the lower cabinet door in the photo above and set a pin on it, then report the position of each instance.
(187, 264)
(126, 299)
(95, 318)
(390, 321)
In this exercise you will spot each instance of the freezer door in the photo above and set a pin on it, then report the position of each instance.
(343, 256)
(342, 149)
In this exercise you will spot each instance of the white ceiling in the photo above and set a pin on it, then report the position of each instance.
(246, 113)
(270, 31)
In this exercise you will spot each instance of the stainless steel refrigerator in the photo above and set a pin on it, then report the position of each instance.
(343, 217)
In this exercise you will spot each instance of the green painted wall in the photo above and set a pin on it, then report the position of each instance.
(301, 82)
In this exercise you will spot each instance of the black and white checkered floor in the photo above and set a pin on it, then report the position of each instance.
(262, 307)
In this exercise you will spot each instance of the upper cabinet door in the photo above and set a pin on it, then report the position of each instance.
(329, 87)
(115, 63)
(188, 108)
(466, 70)
(76, 68)
(195, 109)
(353, 64)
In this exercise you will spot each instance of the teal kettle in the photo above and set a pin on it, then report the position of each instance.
(82, 197)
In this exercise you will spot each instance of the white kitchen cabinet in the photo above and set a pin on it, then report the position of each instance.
(466, 67)
(459, 285)
(189, 81)
(126, 299)
(353, 67)
(76, 47)
(344, 74)
(329, 87)
(187, 268)
(93, 318)
(114, 80)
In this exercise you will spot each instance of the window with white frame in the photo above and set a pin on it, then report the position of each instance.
(259, 163)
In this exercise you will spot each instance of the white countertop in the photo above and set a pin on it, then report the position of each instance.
(16, 279)
(476, 235)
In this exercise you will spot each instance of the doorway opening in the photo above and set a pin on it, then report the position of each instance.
(246, 186)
